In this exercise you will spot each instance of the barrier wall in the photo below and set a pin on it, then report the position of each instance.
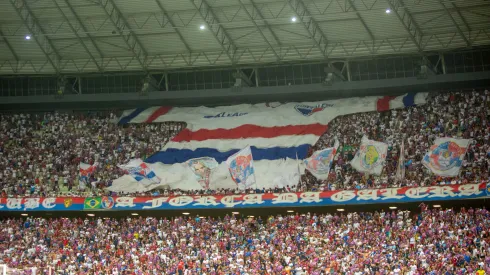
(345, 197)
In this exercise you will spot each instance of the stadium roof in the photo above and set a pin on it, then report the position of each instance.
(87, 36)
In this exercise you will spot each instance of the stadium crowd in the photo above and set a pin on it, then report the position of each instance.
(40, 153)
(435, 241)
(458, 114)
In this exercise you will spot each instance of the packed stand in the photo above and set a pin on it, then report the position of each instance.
(397, 242)
(40, 153)
(459, 115)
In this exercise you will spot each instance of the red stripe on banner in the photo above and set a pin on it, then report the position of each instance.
(383, 104)
(159, 112)
(250, 131)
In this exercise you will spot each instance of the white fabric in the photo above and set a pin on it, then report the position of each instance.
(141, 171)
(263, 115)
(268, 173)
(274, 173)
(371, 156)
(84, 166)
(224, 145)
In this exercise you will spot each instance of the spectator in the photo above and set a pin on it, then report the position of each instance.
(459, 115)
(445, 241)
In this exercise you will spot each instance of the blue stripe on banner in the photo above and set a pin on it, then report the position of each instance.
(128, 118)
(171, 156)
(409, 99)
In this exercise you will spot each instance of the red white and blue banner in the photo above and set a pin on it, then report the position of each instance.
(328, 198)
(320, 161)
(85, 172)
(446, 156)
(278, 135)
(241, 167)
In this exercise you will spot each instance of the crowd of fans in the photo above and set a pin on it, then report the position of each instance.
(434, 242)
(458, 115)
(40, 153)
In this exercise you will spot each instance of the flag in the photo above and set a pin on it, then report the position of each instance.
(275, 134)
(446, 156)
(400, 171)
(85, 172)
(393, 102)
(140, 171)
(202, 168)
(92, 203)
(320, 161)
(241, 167)
(371, 156)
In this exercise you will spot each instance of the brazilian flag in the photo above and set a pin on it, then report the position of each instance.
(92, 203)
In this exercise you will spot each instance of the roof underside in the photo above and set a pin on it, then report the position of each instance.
(86, 36)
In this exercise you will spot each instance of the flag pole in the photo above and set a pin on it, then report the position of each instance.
(299, 170)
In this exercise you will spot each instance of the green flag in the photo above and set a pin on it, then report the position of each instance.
(92, 203)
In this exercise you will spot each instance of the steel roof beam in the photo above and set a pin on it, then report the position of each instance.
(259, 13)
(122, 26)
(85, 30)
(458, 11)
(218, 31)
(460, 32)
(172, 23)
(9, 46)
(258, 28)
(370, 33)
(78, 36)
(37, 33)
(408, 23)
(311, 26)
(467, 8)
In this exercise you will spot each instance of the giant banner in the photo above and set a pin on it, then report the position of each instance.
(345, 197)
(276, 134)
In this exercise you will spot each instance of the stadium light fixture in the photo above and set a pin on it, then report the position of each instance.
(185, 213)
(293, 19)
(341, 209)
(24, 214)
(388, 11)
(91, 215)
(202, 27)
(436, 206)
(392, 207)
